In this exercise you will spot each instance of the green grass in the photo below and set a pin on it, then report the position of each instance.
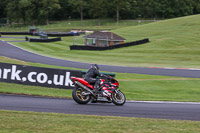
(173, 43)
(19, 62)
(28, 122)
(134, 86)
(34, 90)
(162, 90)
(184, 90)
(64, 26)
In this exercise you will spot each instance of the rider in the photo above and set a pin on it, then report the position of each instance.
(91, 76)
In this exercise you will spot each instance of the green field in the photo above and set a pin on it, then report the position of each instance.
(28, 122)
(64, 26)
(173, 43)
(134, 86)
(185, 90)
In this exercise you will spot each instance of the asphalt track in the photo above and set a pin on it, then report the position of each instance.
(173, 111)
(11, 51)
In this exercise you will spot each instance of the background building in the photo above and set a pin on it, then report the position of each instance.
(103, 39)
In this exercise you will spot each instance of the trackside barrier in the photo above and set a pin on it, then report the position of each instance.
(111, 74)
(62, 34)
(79, 47)
(44, 40)
(38, 76)
(16, 33)
(51, 34)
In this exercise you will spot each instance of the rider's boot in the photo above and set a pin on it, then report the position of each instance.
(109, 100)
(96, 87)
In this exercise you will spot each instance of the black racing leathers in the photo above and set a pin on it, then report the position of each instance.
(91, 77)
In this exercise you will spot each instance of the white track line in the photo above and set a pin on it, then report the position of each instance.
(105, 65)
(164, 102)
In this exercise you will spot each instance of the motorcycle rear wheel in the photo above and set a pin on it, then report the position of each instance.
(78, 96)
(118, 98)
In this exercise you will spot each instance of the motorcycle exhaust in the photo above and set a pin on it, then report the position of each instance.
(84, 87)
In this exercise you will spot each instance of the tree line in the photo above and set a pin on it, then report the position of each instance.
(41, 11)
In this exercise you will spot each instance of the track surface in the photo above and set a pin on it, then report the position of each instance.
(183, 111)
(11, 51)
(174, 111)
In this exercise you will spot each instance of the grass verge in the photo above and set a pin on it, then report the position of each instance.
(147, 90)
(15, 121)
(134, 86)
(64, 26)
(173, 43)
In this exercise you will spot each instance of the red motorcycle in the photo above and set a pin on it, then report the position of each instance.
(108, 91)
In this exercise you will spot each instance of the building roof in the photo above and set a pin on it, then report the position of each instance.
(105, 36)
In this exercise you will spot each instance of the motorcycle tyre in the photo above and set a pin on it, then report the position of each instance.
(117, 103)
(78, 100)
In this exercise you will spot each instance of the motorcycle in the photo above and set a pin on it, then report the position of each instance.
(108, 91)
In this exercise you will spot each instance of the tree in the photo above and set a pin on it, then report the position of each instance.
(3, 8)
(119, 5)
(13, 11)
(78, 5)
(98, 9)
(24, 6)
(196, 6)
(47, 8)
(34, 11)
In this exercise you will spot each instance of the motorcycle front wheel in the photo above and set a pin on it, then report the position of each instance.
(79, 97)
(118, 98)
